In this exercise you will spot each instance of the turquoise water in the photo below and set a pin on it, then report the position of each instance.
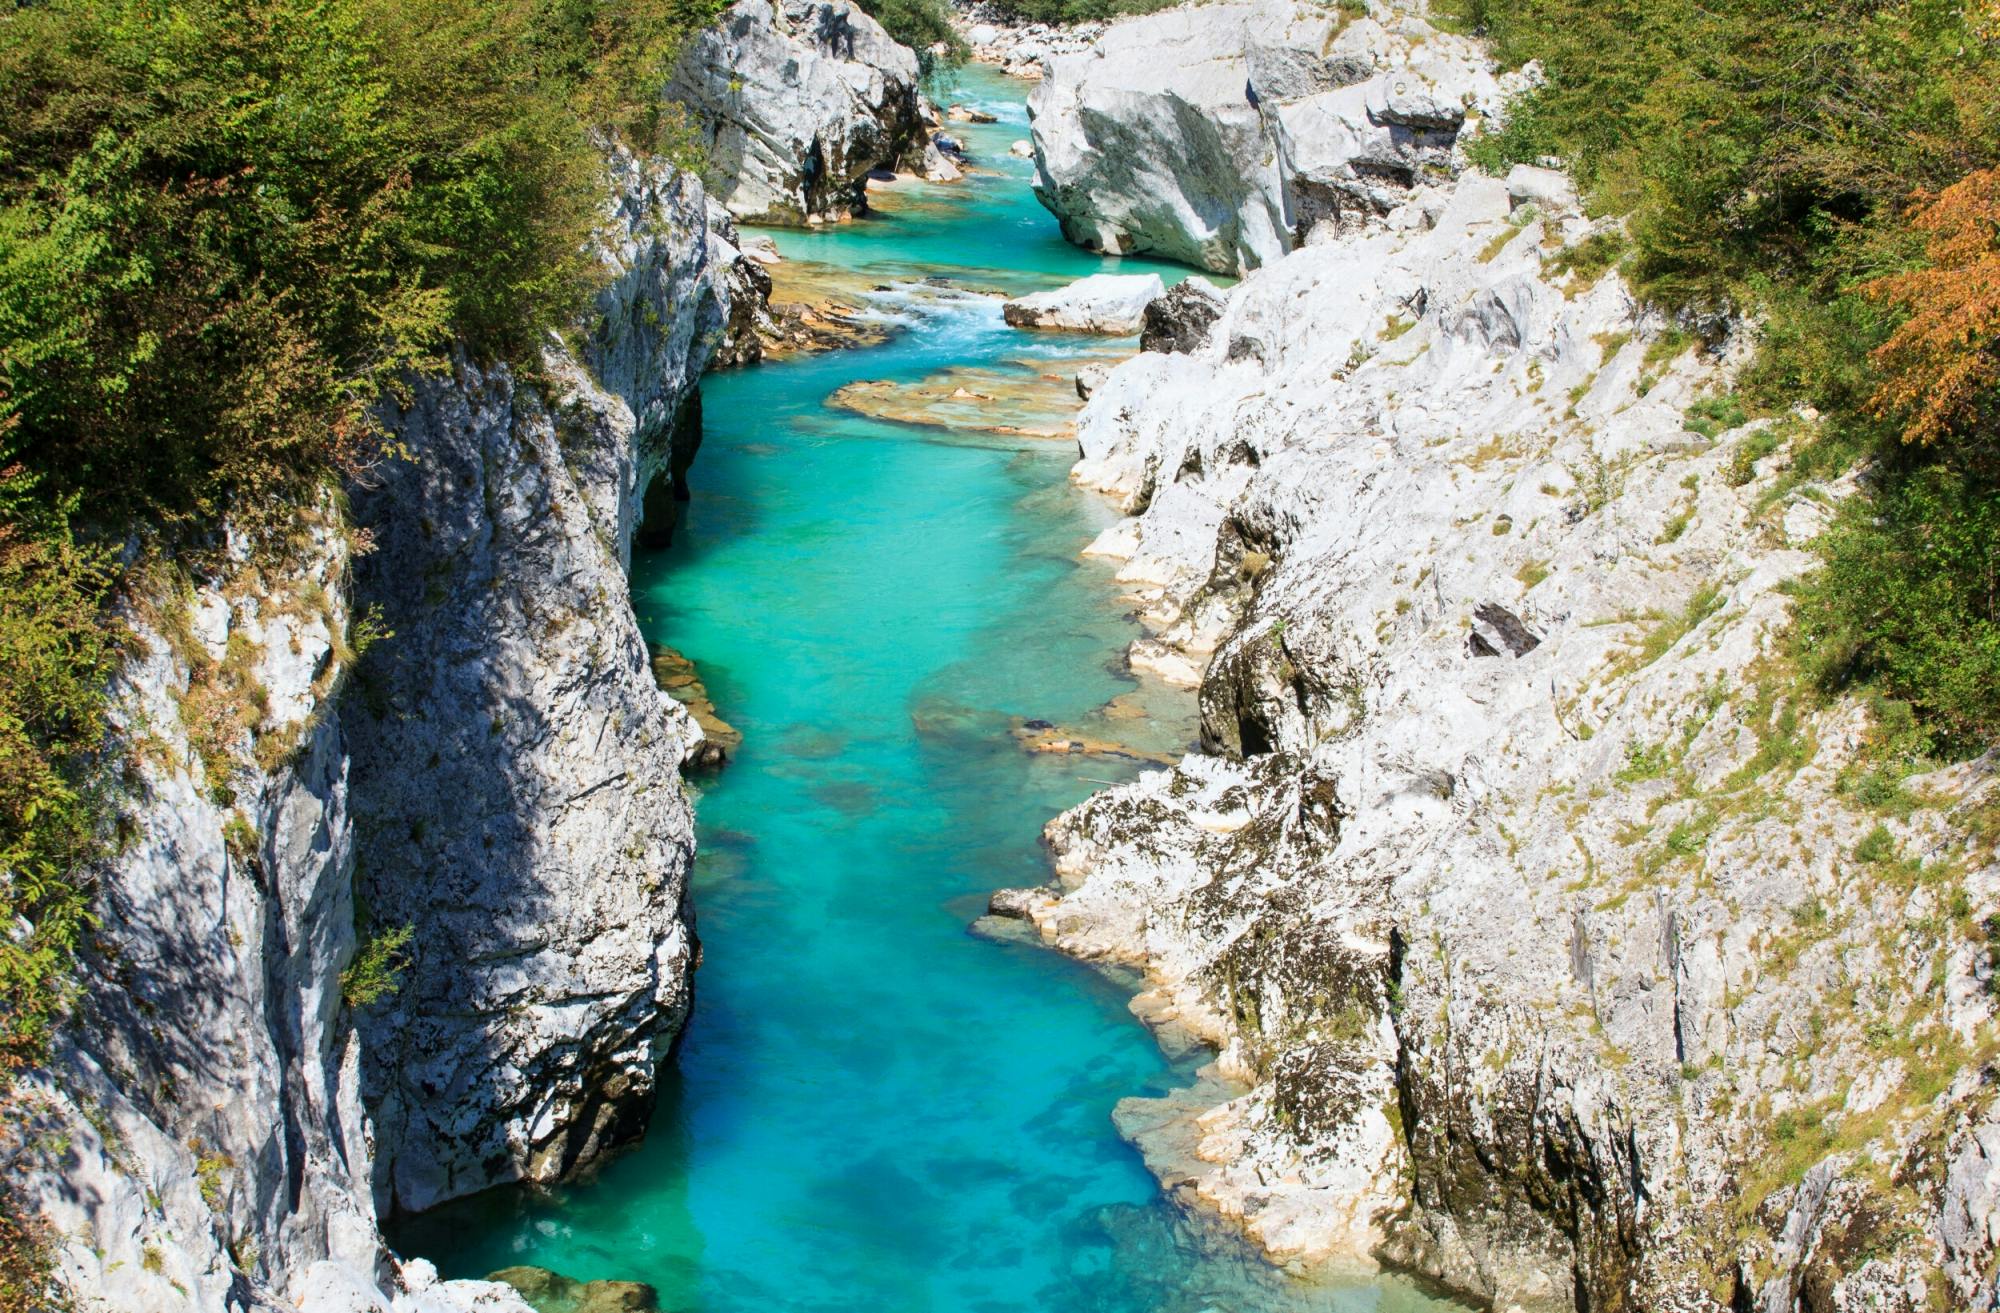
(873, 1109)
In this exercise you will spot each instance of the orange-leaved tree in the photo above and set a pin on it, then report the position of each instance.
(1942, 365)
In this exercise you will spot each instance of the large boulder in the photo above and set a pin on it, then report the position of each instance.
(1101, 303)
(1224, 135)
(797, 103)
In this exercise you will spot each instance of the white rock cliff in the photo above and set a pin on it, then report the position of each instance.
(797, 102)
(1550, 940)
(500, 776)
(1225, 135)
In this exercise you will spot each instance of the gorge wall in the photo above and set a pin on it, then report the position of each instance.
(495, 774)
(1555, 944)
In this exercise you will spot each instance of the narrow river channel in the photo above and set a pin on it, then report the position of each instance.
(873, 1109)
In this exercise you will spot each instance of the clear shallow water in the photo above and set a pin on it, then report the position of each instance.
(873, 1109)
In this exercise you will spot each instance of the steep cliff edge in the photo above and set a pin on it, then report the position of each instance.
(1555, 942)
(500, 778)
(516, 765)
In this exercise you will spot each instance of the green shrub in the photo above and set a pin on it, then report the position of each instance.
(1908, 602)
(920, 25)
(56, 652)
(377, 969)
(1876, 847)
(1714, 415)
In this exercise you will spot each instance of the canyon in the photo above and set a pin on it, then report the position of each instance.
(1401, 644)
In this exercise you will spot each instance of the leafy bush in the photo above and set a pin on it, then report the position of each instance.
(377, 969)
(1909, 598)
(920, 25)
(1076, 11)
(226, 231)
(55, 656)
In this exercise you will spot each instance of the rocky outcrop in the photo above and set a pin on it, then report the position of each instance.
(498, 778)
(1180, 320)
(199, 1140)
(519, 688)
(1226, 135)
(1101, 303)
(797, 102)
(1552, 941)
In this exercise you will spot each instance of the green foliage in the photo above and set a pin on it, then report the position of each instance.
(1713, 415)
(227, 231)
(1076, 11)
(1876, 847)
(1644, 761)
(56, 653)
(1909, 600)
(226, 234)
(377, 969)
(1789, 160)
(921, 25)
(1589, 259)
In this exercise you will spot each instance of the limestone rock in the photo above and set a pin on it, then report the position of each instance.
(998, 36)
(519, 687)
(1101, 303)
(1015, 903)
(798, 101)
(1484, 840)
(1224, 135)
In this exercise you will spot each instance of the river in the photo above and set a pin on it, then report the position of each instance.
(873, 1109)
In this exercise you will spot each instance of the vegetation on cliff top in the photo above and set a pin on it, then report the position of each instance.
(227, 230)
(1829, 167)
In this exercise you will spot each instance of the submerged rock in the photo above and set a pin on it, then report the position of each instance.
(798, 101)
(682, 682)
(1101, 303)
(551, 1292)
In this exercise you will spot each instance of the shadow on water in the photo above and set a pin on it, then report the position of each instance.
(872, 1108)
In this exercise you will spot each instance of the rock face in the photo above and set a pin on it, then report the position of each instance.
(199, 1140)
(1561, 948)
(1101, 303)
(1225, 135)
(519, 688)
(798, 101)
(500, 776)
